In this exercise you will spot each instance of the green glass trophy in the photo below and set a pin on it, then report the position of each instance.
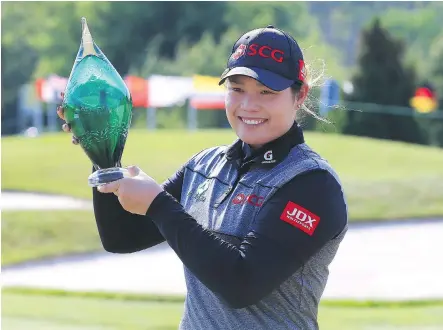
(98, 106)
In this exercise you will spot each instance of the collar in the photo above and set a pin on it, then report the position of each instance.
(269, 154)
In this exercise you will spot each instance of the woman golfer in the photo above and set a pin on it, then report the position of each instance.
(256, 223)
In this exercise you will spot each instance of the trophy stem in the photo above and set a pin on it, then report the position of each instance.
(107, 175)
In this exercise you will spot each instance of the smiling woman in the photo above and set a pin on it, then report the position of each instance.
(260, 106)
(257, 223)
(259, 114)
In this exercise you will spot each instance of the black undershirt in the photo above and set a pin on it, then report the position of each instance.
(244, 273)
(269, 254)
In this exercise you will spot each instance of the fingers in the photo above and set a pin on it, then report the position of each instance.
(111, 187)
(60, 112)
(133, 170)
(66, 128)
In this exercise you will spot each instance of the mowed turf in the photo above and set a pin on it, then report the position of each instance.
(34, 235)
(75, 313)
(382, 179)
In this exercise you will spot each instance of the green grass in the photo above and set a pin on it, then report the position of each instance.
(382, 179)
(35, 311)
(33, 235)
(167, 298)
(50, 312)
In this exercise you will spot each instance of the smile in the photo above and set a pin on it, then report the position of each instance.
(252, 121)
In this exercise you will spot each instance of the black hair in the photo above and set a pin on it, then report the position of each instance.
(296, 88)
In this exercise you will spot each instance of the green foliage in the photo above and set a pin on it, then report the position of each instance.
(51, 29)
(419, 29)
(383, 79)
(435, 66)
(166, 22)
(341, 22)
(209, 57)
(18, 62)
(37, 40)
(205, 57)
(189, 38)
(435, 76)
(43, 38)
(251, 15)
(381, 75)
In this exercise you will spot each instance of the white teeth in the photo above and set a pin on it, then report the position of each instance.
(252, 121)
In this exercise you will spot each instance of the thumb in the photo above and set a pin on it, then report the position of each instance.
(109, 187)
(133, 170)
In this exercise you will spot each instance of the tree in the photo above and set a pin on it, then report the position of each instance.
(340, 21)
(435, 74)
(384, 80)
(435, 70)
(18, 63)
(126, 29)
(43, 38)
(417, 28)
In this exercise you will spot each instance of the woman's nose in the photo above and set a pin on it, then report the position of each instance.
(249, 103)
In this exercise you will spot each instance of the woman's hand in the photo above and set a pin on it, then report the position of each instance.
(65, 126)
(136, 192)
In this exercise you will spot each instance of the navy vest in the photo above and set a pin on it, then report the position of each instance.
(218, 205)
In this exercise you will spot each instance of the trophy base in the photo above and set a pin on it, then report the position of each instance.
(106, 175)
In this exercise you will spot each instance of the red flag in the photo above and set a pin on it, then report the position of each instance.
(138, 87)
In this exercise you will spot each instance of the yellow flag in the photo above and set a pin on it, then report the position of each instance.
(207, 84)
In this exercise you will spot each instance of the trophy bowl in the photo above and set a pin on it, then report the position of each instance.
(98, 107)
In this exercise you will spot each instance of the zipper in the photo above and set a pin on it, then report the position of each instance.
(244, 168)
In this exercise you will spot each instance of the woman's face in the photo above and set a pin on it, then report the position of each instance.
(257, 113)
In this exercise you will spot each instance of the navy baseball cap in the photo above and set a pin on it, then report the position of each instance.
(268, 55)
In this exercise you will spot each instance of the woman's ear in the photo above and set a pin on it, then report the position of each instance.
(302, 95)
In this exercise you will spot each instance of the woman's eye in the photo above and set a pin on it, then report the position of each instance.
(236, 89)
(266, 92)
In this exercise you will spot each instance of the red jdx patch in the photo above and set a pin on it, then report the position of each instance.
(301, 218)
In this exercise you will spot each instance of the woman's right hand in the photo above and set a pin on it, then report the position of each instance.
(66, 127)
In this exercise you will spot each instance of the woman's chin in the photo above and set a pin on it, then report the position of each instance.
(253, 139)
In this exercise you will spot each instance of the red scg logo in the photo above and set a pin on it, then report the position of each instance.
(250, 199)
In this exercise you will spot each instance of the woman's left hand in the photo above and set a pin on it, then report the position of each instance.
(136, 192)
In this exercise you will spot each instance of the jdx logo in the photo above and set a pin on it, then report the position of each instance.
(262, 51)
(250, 199)
(300, 217)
